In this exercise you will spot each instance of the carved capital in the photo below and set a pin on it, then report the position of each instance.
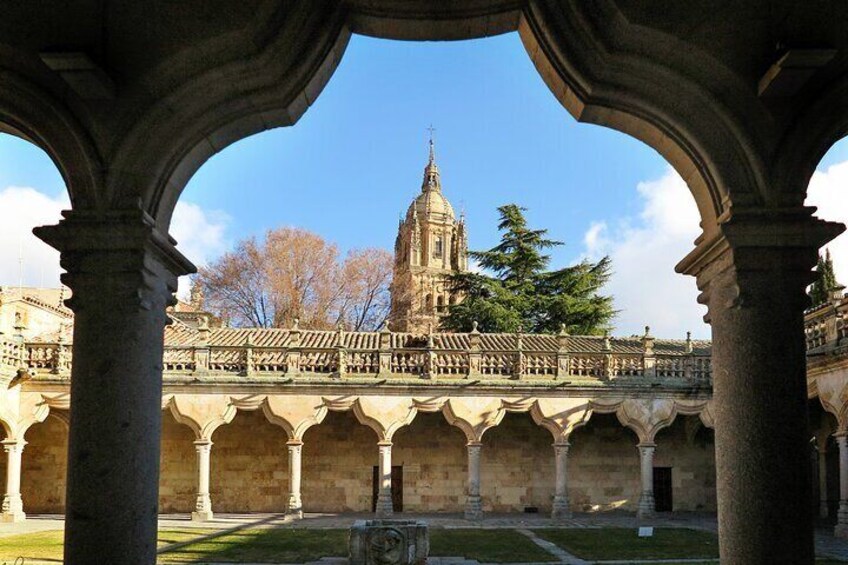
(757, 256)
(116, 254)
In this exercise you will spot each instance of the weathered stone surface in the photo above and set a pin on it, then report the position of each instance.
(388, 542)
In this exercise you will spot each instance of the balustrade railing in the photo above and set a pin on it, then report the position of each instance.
(426, 361)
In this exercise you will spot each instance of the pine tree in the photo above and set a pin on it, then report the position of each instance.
(821, 289)
(520, 294)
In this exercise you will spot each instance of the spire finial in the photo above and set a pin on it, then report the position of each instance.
(431, 129)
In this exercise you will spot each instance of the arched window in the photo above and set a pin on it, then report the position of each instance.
(428, 303)
(438, 247)
(440, 302)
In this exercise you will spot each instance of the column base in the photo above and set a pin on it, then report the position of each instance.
(473, 508)
(294, 510)
(561, 510)
(384, 506)
(201, 516)
(12, 517)
(646, 506)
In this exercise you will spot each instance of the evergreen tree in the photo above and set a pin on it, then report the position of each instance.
(521, 294)
(821, 289)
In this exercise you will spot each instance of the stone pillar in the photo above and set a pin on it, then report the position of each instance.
(560, 507)
(646, 497)
(384, 495)
(822, 461)
(203, 505)
(473, 503)
(13, 507)
(753, 270)
(123, 273)
(841, 529)
(295, 507)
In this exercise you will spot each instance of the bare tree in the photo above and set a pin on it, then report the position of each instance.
(296, 274)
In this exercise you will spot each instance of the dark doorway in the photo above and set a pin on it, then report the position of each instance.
(397, 488)
(662, 489)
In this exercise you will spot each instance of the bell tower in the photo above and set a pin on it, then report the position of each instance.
(431, 244)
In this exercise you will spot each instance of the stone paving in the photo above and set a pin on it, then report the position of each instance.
(826, 544)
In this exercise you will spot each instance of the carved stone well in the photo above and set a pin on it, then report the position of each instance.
(389, 542)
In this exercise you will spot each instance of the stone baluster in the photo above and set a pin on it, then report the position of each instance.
(203, 503)
(249, 367)
(753, 272)
(520, 362)
(295, 506)
(385, 353)
(13, 507)
(384, 495)
(473, 502)
(649, 357)
(341, 352)
(646, 497)
(123, 273)
(606, 349)
(561, 508)
(475, 357)
(563, 360)
(430, 368)
(201, 350)
(689, 359)
(293, 350)
(841, 529)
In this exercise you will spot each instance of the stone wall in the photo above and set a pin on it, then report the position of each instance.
(44, 466)
(517, 466)
(249, 466)
(338, 460)
(178, 467)
(689, 449)
(434, 461)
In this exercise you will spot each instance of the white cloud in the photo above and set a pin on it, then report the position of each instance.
(21, 209)
(644, 251)
(200, 235)
(829, 192)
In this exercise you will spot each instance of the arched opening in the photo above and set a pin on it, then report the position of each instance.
(824, 460)
(684, 467)
(249, 471)
(517, 466)
(339, 456)
(44, 465)
(603, 466)
(433, 457)
(177, 466)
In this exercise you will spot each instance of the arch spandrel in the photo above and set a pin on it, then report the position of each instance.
(561, 416)
(295, 414)
(646, 416)
(474, 415)
(21, 409)
(833, 395)
(203, 413)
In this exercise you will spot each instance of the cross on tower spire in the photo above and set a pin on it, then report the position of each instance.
(431, 129)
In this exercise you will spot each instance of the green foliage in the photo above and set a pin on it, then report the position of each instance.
(821, 289)
(520, 294)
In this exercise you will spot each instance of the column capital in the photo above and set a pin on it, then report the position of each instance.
(121, 249)
(294, 443)
(474, 444)
(384, 443)
(10, 445)
(752, 242)
(203, 443)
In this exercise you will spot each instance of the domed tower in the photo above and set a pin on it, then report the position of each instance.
(430, 245)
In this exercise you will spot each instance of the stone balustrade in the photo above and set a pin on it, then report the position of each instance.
(476, 356)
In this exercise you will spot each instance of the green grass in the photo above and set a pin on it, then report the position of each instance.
(39, 545)
(262, 546)
(492, 546)
(624, 543)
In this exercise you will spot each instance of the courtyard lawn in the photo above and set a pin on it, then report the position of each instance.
(624, 543)
(38, 545)
(261, 546)
(486, 546)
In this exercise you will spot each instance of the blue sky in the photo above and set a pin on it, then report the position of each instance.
(354, 161)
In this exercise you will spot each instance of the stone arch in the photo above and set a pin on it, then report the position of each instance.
(474, 415)
(203, 413)
(602, 74)
(44, 465)
(177, 464)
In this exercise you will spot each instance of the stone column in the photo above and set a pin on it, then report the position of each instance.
(295, 507)
(560, 506)
(384, 495)
(123, 273)
(822, 461)
(13, 507)
(646, 497)
(841, 529)
(473, 503)
(753, 270)
(203, 505)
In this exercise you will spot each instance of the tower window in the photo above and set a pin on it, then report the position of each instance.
(440, 304)
(438, 247)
